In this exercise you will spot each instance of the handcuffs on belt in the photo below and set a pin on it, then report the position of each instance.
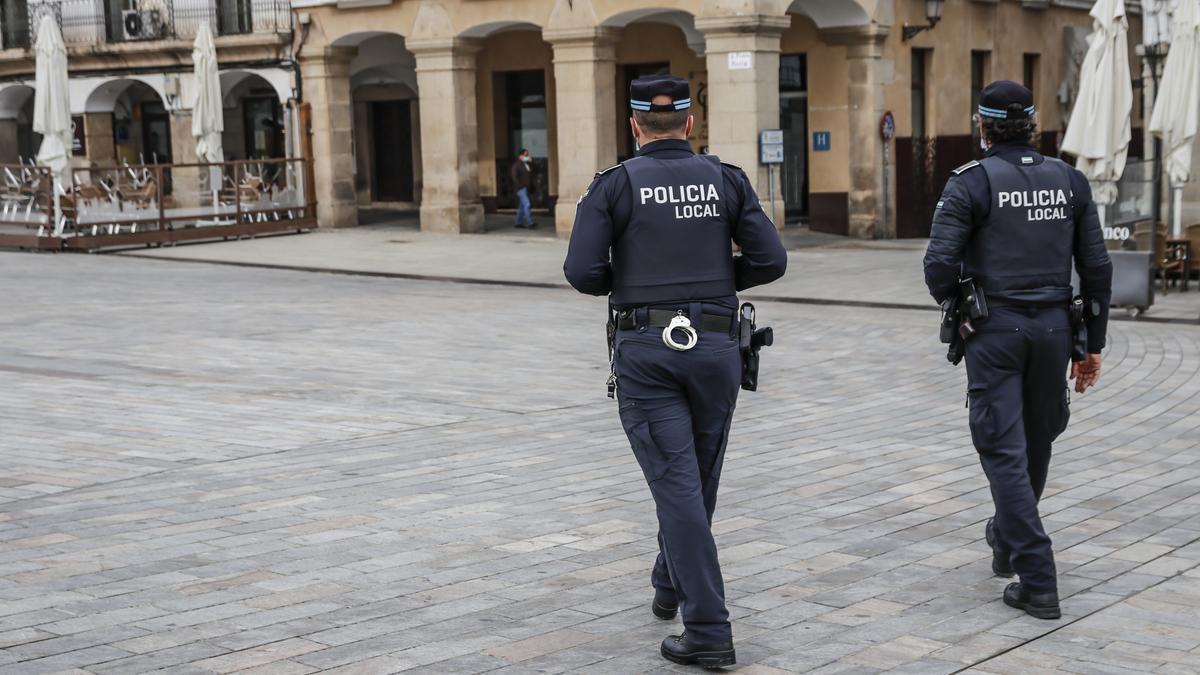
(680, 322)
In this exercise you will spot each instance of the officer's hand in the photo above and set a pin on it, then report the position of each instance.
(1086, 372)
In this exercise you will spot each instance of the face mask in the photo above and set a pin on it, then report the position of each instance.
(527, 159)
(982, 144)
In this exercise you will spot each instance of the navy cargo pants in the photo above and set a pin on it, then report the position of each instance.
(1017, 392)
(676, 408)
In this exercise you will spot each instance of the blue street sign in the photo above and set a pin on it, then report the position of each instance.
(822, 141)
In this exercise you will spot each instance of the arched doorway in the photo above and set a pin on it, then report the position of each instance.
(515, 97)
(18, 141)
(141, 125)
(255, 126)
(387, 133)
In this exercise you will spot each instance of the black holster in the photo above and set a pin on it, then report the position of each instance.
(752, 340)
(958, 312)
(1081, 311)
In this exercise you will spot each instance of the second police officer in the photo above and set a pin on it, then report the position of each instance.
(654, 234)
(1013, 222)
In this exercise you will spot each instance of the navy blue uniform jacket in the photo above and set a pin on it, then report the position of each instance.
(605, 209)
(967, 201)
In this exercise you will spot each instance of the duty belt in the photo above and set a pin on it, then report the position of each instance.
(661, 318)
(1026, 304)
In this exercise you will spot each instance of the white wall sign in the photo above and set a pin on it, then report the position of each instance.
(741, 60)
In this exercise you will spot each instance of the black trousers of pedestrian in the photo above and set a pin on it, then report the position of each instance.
(1017, 392)
(676, 408)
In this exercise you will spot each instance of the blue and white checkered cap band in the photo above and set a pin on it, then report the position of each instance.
(644, 106)
(1002, 114)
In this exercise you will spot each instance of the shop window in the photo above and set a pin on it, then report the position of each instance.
(262, 122)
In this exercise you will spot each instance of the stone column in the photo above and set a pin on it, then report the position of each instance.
(744, 99)
(585, 81)
(98, 133)
(185, 182)
(449, 135)
(864, 51)
(8, 141)
(326, 73)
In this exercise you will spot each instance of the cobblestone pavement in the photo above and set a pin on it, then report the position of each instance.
(822, 267)
(217, 469)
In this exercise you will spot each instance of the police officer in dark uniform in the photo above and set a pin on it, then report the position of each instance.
(1014, 221)
(668, 217)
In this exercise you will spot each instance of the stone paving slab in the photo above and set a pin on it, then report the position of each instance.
(821, 267)
(213, 469)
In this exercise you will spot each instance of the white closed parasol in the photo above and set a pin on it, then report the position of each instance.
(208, 116)
(1099, 130)
(52, 110)
(1177, 108)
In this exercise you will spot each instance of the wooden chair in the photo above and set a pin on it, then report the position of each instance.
(1167, 261)
(141, 197)
(1192, 234)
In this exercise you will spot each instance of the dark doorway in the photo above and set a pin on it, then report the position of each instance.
(391, 129)
(156, 133)
(525, 125)
(793, 119)
(262, 122)
(629, 73)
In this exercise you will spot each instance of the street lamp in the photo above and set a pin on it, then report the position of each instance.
(933, 14)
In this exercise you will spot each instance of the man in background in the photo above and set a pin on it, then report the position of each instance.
(520, 180)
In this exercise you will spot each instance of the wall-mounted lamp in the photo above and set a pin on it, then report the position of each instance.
(933, 14)
(171, 89)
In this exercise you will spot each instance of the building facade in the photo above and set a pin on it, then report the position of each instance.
(426, 102)
(131, 84)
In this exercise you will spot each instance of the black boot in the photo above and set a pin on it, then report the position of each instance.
(681, 649)
(1001, 566)
(665, 606)
(1039, 605)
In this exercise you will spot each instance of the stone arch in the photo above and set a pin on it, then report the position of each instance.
(682, 19)
(13, 98)
(278, 80)
(103, 97)
(382, 59)
(832, 13)
(490, 28)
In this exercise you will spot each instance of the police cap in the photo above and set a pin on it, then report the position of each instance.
(643, 90)
(1006, 100)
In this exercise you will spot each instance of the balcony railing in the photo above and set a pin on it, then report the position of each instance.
(89, 22)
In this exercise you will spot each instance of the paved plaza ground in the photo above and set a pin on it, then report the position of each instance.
(213, 468)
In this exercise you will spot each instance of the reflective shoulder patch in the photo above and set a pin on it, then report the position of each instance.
(940, 204)
(604, 171)
(1027, 160)
(969, 165)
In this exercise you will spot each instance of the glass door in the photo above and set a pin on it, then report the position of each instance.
(793, 120)
(525, 127)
